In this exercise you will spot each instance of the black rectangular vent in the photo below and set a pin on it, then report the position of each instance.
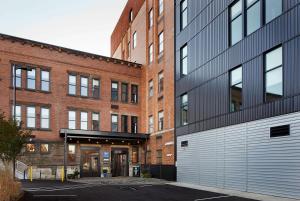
(184, 143)
(279, 131)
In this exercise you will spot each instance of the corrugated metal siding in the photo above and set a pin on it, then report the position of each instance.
(244, 157)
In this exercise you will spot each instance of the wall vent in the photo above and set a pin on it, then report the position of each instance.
(279, 131)
(184, 143)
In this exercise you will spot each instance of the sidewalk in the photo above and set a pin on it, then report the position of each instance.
(233, 192)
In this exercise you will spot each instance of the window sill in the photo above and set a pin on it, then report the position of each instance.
(84, 97)
(31, 90)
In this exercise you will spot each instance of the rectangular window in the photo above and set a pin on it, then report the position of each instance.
(114, 123)
(31, 79)
(114, 91)
(184, 106)
(45, 80)
(84, 83)
(124, 123)
(30, 148)
(184, 143)
(279, 131)
(161, 43)
(18, 117)
(134, 93)
(72, 120)
(72, 84)
(83, 120)
(124, 92)
(45, 118)
(150, 53)
(95, 121)
(71, 149)
(150, 88)
(30, 117)
(160, 82)
(236, 27)
(253, 15)
(129, 48)
(134, 124)
(151, 124)
(160, 120)
(273, 8)
(130, 15)
(159, 156)
(96, 88)
(183, 14)
(135, 154)
(160, 7)
(44, 148)
(183, 61)
(134, 39)
(18, 76)
(273, 75)
(236, 89)
(150, 18)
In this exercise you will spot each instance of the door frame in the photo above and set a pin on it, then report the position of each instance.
(88, 148)
(123, 150)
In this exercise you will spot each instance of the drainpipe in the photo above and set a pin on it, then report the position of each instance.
(65, 157)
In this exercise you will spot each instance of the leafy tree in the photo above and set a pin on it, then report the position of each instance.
(12, 139)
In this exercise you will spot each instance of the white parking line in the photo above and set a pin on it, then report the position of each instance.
(49, 189)
(213, 198)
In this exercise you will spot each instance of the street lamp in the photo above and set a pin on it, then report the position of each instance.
(15, 87)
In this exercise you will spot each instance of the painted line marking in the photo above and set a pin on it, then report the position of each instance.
(212, 198)
(59, 189)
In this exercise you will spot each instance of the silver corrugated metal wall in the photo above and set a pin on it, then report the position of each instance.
(244, 157)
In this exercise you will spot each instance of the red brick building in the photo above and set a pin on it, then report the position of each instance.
(95, 101)
(145, 34)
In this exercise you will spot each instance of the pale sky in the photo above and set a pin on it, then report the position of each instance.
(84, 25)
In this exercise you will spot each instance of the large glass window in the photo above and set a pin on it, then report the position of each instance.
(160, 120)
(114, 91)
(134, 39)
(45, 118)
(18, 76)
(84, 83)
(273, 8)
(72, 120)
(183, 14)
(96, 88)
(150, 88)
(161, 43)
(124, 123)
(134, 93)
(134, 124)
(184, 109)
(124, 92)
(183, 61)
(253, 15)
(273, 75)
(151, 53)
(135, 154)
(30, 117)
(160, 6)
(151, 124)
(45, 80)
(150, 18)
(160, 82)
(95, 121)
(114, 123)
(18, 117)
(83, 120)
(236, 86)
(31, 79)
(72, 84)
(236, 27)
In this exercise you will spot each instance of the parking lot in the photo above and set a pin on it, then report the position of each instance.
(57, 191)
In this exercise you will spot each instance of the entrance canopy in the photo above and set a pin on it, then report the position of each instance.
(103, 137)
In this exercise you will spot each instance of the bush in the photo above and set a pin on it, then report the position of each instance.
(10, 190)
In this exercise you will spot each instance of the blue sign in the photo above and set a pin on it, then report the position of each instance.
(106, 156)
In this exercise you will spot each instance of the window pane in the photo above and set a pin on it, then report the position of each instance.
(274, 89)
(72, 120)
(71, 149)
(45, 75)
(273, 9)
(45, 123)
(253, 18)
(72, 79)
(44, 148)
(236, 30)
(236, 9)
(31, 74)
(236, 76)
(274, 59)
(30, 147)
(45, 86)
(161, 7)
(184, 19)
(72, 125)
(84, 86)
(161, 42)
(236, 97)
(45, 113)
(72, 89)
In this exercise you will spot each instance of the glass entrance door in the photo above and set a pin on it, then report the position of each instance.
(120, 162)
(90, 162)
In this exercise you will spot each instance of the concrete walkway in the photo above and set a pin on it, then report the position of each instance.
(120, 181)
